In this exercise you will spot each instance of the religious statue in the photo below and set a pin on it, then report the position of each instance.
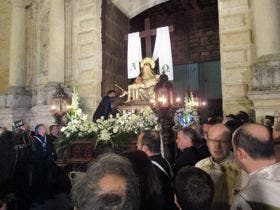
(143, 87)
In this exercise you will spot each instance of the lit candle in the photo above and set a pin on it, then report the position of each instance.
(152, 101)
(163, 100)
(178, 100)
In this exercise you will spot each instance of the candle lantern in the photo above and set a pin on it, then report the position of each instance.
(60, 104)
(163, 93)
(165, 110)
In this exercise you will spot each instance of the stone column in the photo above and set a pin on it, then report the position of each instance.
(15, 103)
(236, 54)
(267, 26)
(56, 42)
(266, 70)
(18, 45)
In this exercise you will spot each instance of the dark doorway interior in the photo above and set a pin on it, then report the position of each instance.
(204, 81)
(195, 46)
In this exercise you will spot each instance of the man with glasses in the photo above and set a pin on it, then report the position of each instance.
(221, 166)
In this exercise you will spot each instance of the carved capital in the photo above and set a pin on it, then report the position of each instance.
(266, 73)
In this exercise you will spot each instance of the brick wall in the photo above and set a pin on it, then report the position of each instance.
(115, 25)
(196, 31)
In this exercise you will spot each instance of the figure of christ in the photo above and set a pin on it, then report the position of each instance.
(143, 87)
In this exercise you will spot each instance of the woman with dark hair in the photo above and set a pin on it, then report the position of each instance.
(150, 189)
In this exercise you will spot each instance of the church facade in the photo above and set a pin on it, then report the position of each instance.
(81, 43)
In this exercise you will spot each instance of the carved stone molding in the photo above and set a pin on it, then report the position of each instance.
(266, 73)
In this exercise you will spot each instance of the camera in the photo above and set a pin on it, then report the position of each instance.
(16, 125)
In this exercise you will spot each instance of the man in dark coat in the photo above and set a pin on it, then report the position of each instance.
(186, 142)
(43, 159)
(201, 145)
(7, 165)
(149, 142)
(105, 106)
(24, 163)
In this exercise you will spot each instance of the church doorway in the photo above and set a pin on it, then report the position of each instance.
(195, 47)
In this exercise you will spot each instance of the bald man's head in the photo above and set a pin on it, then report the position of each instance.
(255, 139)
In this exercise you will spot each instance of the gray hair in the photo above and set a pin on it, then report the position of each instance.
(88, 195)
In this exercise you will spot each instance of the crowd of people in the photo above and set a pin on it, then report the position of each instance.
(226, 164)
(28, 172)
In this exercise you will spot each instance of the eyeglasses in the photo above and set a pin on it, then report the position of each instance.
(216, 141)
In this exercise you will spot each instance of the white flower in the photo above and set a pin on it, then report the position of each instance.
(104, 135)
(107, 130)
(94, 128)
(115, 129)
(84, 117)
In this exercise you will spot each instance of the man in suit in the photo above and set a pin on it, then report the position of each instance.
(149, 142)
(43, 156)
(186, 142)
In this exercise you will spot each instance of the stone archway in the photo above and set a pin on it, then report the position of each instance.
(236, 51)
(135, 7)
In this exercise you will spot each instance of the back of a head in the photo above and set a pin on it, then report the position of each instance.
(212, 121)
(191, 133)
(198, 128)
(232, 125)
(6, 136)
(109, 184)
(243, 117)
(194, 189)
(144, 170)
(152, 140)
(110, 91)
(256, 140)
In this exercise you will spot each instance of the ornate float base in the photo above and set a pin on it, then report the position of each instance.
(134, 106)
(82, 152)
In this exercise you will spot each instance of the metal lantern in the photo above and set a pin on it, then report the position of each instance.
(60, 104)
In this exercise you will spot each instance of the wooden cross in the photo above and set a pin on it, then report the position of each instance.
(147, 34)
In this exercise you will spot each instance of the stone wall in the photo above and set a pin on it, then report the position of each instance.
(5, 28)
(236, 46)
(114, 28)
(196, 32)
(87, 52)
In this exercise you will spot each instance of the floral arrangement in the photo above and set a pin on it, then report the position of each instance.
(124, 125)
(188, 114)
(112, 130)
